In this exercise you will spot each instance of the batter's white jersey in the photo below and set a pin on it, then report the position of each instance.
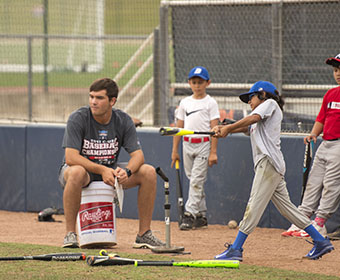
(197, 113)
(265, 135)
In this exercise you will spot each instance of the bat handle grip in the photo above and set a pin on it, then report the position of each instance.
(160, 172)
(177, 164)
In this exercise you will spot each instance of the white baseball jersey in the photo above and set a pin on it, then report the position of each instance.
(265, 135)
(197, 113)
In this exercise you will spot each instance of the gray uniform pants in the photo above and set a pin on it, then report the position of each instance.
(195, 160)
(268, 185)
(322, 194)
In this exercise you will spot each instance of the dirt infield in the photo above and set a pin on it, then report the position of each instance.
(264, 247)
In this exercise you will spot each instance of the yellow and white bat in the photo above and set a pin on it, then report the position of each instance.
(176, 131)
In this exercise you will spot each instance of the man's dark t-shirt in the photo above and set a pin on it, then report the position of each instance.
(97, 142)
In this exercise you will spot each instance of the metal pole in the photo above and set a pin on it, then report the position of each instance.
(45, 54)
(29, 77)
(277, 45)
(164, 64)
(156, 79)
(167, 207)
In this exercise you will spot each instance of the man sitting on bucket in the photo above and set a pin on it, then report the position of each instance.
(92, 141)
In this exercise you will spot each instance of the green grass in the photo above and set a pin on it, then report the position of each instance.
(126, 17)
(116, 55)
(131, 17)
(80, 270)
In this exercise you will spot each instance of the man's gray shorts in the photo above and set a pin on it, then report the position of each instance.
(61, 175)
(63, 168)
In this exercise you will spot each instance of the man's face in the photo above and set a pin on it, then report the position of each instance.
(100, 103)
(336, 74)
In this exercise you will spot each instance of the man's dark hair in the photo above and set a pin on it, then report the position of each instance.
(105, 83)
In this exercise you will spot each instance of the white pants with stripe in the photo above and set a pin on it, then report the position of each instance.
(322, 194)
(195, 160)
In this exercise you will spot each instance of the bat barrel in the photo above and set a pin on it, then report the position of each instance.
(209, 263)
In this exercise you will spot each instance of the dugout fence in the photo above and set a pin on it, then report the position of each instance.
(48, 60)
(239, 42)
(51, 51)
(26, 96)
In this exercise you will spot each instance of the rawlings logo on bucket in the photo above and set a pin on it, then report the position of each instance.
(96, 215)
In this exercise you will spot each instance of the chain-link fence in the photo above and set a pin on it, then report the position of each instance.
(51, 51)
(239, 42)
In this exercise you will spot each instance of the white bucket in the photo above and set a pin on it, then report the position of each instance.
(96, 221)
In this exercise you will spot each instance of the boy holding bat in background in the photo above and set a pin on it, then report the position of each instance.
(322, 194)
(196, 112)
(264, 126)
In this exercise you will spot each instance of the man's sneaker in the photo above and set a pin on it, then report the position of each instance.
(230, 254)
(334, 235)
(320, 248)
(187, 222)
(200, 222)
(70, 240)
(147, 240)
(302, 233)
(293, 228)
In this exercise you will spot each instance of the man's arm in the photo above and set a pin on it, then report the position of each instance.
(73, 157)
(135, 162)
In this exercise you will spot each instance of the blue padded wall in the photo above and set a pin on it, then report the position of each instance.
(44, 157)
(13, 168)
(31, 157)
(157, 152)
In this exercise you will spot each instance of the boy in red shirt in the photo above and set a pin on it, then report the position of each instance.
(322, 194)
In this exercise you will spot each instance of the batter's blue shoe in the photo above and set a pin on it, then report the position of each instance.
(320, 248)
(230, 254)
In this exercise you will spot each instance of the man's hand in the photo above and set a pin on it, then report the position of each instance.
(108, 175)
(121, 175)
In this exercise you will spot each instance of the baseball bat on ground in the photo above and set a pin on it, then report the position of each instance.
(307, 162)
(48, 257)
(101, 260)
(180, 202)
(176, 131)
(103, 252)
